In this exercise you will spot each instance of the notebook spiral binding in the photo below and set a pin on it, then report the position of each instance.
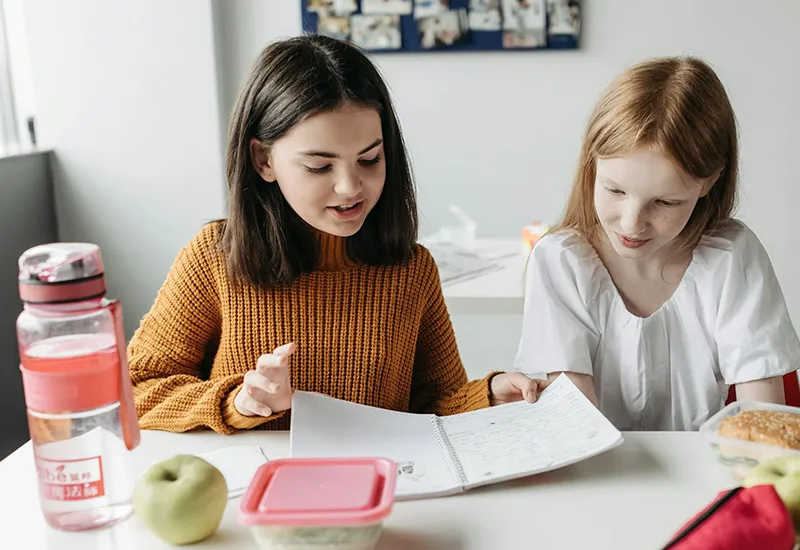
(447, 450)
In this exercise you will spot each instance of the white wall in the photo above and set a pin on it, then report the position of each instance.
(499, 132)
(20, 68)
(244, 28)
(126, 95)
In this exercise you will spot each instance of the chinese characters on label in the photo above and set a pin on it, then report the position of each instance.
(70, 479)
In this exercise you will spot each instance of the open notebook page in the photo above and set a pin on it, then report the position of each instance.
(562, 427)
(325, 427)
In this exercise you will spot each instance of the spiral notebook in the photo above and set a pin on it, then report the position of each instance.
(439, 456)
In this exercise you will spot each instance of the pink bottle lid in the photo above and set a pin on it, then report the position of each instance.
(61, 272)
(320, 492)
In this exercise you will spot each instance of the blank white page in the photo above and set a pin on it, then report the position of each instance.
(326, 427)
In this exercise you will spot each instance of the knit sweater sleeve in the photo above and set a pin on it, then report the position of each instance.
(439, 384)
(170, 353)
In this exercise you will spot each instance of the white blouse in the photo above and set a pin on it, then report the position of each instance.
(726, 323)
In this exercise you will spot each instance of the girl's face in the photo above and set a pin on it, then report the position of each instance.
(330, 168)
(643, 201)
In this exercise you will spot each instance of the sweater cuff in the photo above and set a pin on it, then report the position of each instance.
(479, 393)
(236, 420)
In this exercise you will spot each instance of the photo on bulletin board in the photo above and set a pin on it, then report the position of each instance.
(384, 26)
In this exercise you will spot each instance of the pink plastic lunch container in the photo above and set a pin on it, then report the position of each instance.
(319, 503)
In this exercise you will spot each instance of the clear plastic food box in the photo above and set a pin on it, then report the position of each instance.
(741, 456)
(319, 503)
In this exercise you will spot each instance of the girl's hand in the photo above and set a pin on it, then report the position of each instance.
(514, 386)
(267, 390)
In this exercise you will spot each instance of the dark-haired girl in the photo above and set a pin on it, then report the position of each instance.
(315, 280)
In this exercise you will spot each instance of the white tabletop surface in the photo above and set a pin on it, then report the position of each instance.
(496, 291)
(634, 496)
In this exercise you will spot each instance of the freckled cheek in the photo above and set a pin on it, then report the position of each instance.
(672, 221)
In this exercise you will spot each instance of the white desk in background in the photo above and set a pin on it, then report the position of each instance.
(486, 310)
(495, 292)
(632, 497)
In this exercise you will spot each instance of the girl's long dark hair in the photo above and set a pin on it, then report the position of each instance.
(264, 242)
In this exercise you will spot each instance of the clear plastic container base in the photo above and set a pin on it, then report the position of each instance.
(738, 455)
(358, 537)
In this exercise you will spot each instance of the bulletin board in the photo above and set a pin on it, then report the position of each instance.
(386, 26)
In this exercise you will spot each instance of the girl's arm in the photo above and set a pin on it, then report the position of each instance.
(559, 334)
(768, 390)
(169, 353)
(756, 340)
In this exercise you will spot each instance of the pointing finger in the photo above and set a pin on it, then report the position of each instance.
(270, 360)
(285, 350)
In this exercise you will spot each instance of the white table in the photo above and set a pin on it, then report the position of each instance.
(633, 497)
(496, 292)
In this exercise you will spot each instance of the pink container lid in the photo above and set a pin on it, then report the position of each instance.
(320, 492)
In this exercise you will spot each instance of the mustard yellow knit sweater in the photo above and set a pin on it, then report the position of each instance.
(380, 336)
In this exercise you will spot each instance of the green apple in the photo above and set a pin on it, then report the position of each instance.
(783, 473)
(181, 500)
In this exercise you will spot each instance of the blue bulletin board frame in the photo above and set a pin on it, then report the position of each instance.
(475, 40)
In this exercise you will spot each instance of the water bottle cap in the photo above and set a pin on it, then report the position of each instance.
(61, 272)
